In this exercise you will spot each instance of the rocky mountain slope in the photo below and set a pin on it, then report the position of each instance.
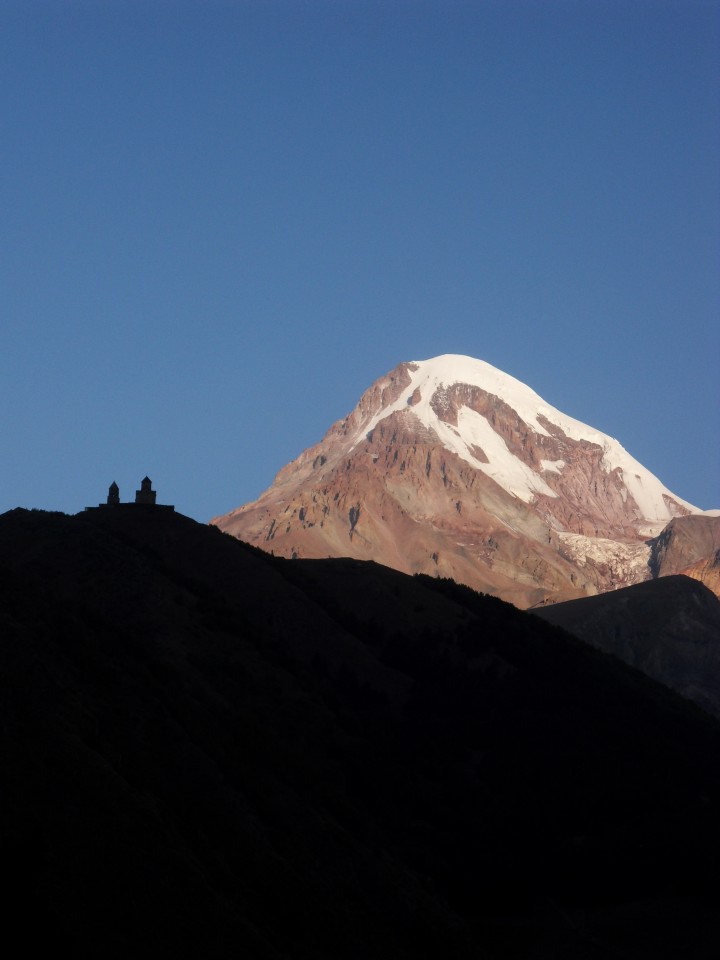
(689, 545)
(211, 752)
(707, 571)
(452, 468)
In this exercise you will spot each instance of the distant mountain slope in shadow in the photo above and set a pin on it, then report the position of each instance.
(669, 628)
(210, 752)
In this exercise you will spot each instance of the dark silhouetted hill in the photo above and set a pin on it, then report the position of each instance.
(668, 628)
(210, 752)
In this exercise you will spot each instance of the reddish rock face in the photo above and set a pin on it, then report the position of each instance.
(451, 468)
(707, 571)
(689, 545)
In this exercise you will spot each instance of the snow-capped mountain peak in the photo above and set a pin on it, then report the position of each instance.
(431, 381)
(451, 467)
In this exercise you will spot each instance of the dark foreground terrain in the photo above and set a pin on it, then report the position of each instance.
(210, 752)
(668, 628)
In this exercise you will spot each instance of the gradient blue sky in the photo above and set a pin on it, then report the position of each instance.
(220, 222)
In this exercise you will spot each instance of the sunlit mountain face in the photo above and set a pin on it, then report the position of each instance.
(453, 468)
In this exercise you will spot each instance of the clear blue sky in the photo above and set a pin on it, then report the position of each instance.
(221, 221)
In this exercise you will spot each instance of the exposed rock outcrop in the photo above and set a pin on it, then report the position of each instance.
(707, 571)
(683, 542)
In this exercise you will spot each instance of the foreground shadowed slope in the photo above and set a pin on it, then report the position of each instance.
(211, 752)
(668, 628)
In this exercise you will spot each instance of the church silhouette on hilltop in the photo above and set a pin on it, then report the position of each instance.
(144, 497)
